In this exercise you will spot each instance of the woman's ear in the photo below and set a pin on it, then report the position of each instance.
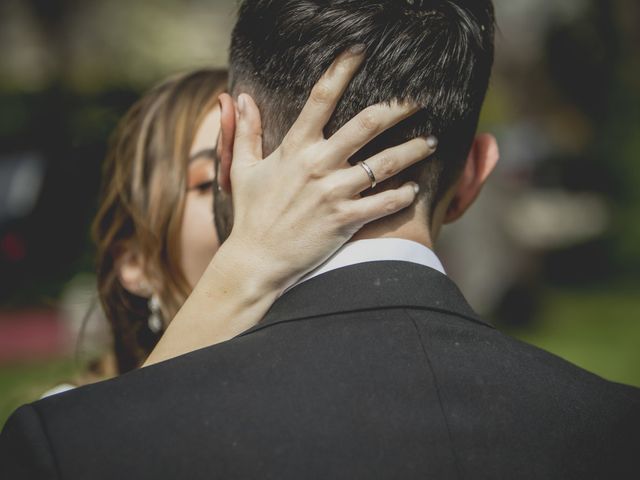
(131, 274)
(225, 140)
(481, 161)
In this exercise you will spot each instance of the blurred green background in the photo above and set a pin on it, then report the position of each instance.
(551, 252)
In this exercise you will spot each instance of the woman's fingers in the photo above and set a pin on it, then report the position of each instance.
(325, 95)
(368, 209)
(365, 126)
(224, 148)
(384, 165)
(247, 146)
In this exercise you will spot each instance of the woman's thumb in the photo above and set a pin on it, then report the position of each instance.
(248, 137)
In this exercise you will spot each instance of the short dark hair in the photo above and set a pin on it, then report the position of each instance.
(436, 53)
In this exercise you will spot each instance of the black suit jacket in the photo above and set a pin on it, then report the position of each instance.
(378, 370)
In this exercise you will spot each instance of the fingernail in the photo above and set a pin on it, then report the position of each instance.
(242, 103)
(416, 188)
(357, 49)
(432, 142)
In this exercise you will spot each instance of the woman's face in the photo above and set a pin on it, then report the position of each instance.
(198, 237)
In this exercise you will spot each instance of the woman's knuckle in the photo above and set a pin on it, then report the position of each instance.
(391, 205)
(342, 214)
(386, 166)
(312, 168)
(321, 93)
(369, 120)
(329, 192)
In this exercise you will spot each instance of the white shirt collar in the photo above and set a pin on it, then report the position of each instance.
(377, 250)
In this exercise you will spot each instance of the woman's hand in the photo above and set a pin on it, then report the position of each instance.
(292, 210)
(296, 207)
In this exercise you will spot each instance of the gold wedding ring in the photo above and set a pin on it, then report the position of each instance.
(367, 169)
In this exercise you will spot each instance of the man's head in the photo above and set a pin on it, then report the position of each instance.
(434, 53)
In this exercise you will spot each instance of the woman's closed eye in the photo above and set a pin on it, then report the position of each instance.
(203, 187)
(201, 175)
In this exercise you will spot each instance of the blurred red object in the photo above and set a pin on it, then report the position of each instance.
(33, 335)
(12, 247)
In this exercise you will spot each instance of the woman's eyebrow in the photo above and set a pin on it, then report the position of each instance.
(206, 153)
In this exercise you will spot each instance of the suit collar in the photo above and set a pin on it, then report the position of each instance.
(370, 286)
(377, 250)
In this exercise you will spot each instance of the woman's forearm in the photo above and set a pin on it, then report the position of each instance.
(233, 295)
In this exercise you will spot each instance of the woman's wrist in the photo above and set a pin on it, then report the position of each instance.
(251, 268)
(233, 294)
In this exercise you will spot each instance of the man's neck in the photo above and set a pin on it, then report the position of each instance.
(406, 225)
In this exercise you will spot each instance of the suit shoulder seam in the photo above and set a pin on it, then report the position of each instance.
(437, 387)
(47, 437)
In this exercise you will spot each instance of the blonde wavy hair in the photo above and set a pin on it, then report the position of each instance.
(142, 202)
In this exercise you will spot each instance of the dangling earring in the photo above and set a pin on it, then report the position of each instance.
(155, 320)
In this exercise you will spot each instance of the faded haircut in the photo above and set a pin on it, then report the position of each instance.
(435, 53)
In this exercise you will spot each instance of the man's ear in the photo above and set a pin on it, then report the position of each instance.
(482, 159)
(225, 141)
(131, 274)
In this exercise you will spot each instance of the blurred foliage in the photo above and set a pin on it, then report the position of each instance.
(25, 383)
(594, 328)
